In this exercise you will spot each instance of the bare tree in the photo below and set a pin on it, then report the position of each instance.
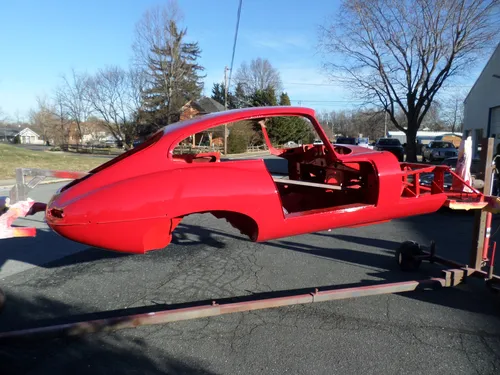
(113, 95)
(137, 79)
(17, 115)
(259, 75)
(96, 130)
(3, 118)
(169, 62)
(399, 53)
(433, 120)
(62, 124)
(368, 123)
(152, 30)
(453, 110)
(44, 120)
(71, 97)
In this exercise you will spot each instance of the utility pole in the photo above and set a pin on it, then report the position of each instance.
(225, 108)
(332, 120)
(225, 87)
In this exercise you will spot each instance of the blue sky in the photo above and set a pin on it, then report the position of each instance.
(41, 40)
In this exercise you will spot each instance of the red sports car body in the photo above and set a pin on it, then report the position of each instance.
(134, 202)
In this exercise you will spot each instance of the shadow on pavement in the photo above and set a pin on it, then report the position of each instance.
(477, 300)
(125, 353)
(183, 235)
(452, 231)
(46, 246)
(91, 354)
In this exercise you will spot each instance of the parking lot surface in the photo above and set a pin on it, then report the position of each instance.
(454, 330)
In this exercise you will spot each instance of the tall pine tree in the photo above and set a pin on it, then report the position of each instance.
(174, 78)
(289, 128)
(264, 98)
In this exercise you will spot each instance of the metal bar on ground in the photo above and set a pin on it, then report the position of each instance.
(492, 261)
(214, 309)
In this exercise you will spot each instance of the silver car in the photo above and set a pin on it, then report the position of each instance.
(439, 150)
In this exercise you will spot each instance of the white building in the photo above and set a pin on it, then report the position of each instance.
(423, 136)
(482, 104)
(28, 136)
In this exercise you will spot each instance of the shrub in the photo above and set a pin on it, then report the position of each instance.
(236, 143)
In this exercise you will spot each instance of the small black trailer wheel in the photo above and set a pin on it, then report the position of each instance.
(406, 256)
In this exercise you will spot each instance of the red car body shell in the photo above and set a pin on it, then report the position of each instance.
(133, 202)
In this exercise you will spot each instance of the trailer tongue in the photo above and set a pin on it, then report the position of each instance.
(18, 204)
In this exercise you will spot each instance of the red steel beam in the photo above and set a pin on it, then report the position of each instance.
(187, 313)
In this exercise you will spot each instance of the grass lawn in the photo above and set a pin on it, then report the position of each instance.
(12, 157)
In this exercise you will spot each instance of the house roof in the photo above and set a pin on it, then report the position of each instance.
(8, 132)
(26, 131)
(206, 105)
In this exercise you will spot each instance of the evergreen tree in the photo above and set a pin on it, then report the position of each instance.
(173, 79)
(291, 128)
(284, 99)
(240, 99)
(218, 92)
(264, 98)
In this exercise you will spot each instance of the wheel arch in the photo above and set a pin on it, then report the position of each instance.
(246, 224)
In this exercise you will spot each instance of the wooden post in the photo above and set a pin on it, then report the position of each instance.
(481, 227)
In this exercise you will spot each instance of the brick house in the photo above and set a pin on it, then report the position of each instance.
(203, 106)
(92, 132)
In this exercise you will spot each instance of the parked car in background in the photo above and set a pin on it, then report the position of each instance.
(475, 165)
(346, 141)
(137, 142)
(439, 150)
(476, 171)
(364, 142)
(291, 144)
(392, 145)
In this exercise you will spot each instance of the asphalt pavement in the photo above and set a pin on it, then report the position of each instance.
(455, 330)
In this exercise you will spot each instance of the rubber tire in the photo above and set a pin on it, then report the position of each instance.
(405, 256)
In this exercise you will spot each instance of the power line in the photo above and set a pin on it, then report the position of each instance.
(309, 84)
(325, 101)
(336, 85)
(234, 44)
